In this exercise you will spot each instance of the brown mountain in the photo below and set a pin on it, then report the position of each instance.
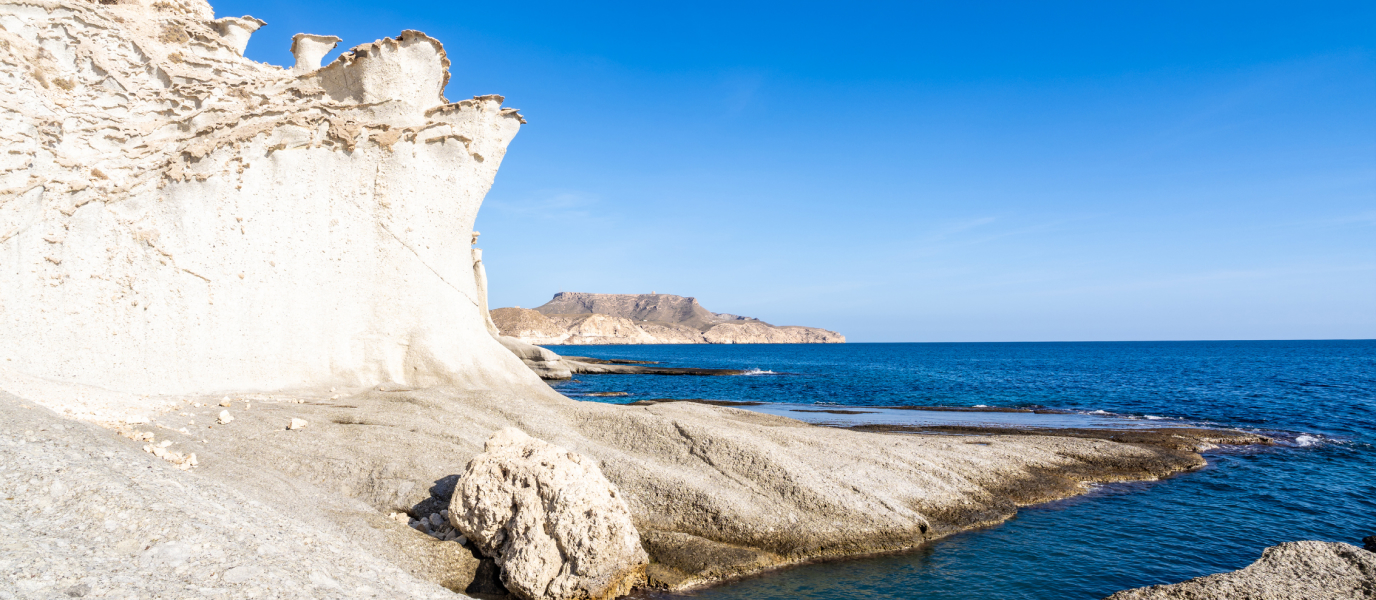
(583, 318)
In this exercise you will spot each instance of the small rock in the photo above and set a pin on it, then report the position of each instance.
(77, 591)
(242, 573)
(165, 443)
(435, 520)
(225, 417)
(297, 424)
(1369, 543)
(323, 580)
(224, 402)
(171, 554)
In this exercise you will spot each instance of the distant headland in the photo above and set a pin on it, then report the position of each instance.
(577, 318)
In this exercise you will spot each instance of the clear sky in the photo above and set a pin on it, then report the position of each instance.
(953, 171)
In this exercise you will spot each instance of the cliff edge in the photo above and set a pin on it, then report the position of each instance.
(577, 318)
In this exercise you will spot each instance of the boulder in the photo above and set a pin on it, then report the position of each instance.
(549, 518)
(1290, 571)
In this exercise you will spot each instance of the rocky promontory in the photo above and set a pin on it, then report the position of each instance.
(1292, 571)
(577, 318)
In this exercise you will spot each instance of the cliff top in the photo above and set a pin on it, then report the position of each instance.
(664, 308)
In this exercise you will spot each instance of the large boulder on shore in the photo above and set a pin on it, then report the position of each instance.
(550, 519)
(1290, 571)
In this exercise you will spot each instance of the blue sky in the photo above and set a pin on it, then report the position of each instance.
(924, 172)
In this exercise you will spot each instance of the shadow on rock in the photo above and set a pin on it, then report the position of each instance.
(431, 517)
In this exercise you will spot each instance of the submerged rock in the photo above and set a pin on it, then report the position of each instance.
(1290, 571)
(550, 519)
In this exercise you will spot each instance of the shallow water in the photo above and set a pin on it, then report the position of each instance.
(932, 416)
(1317, 397)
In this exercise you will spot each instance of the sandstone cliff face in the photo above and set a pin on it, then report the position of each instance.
(175, 218)
(574, 318)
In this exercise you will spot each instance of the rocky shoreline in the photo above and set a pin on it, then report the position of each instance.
(716, 492)
(1309, 570)
(548, 365)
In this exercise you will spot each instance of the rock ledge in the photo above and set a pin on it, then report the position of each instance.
(1289, 571)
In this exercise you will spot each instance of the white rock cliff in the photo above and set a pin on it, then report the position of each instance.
(176, 218)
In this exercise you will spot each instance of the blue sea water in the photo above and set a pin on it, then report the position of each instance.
(1317, 397)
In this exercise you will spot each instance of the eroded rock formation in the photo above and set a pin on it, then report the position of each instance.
(554, 524)
(575, 318)
(175, 218)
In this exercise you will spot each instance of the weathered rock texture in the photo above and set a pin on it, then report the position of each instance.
(175, 218)
(87, 514)
(714, 492)
(1290, 571)
(575, 318)
(556, 527)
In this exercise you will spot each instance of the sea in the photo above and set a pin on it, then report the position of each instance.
(1316, 398)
